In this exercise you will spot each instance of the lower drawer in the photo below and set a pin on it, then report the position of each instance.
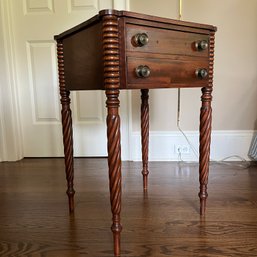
(166, 72)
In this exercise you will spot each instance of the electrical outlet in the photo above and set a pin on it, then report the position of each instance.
(182, 149)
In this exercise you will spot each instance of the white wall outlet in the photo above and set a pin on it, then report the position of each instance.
(182, 149)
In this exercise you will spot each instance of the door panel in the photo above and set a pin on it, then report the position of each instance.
(34, 23)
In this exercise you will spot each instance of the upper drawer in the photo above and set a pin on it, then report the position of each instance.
(164, 41)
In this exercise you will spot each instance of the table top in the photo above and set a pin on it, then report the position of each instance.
(101, 13)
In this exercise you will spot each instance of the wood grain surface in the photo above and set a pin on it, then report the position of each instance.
(34, 220)
(164, 41)
(166, 73)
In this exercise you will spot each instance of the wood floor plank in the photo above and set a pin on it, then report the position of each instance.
(34, 218)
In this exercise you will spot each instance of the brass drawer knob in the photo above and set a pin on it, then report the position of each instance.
(201, 73)
(143, 71)
(140, 39)
(201, 45)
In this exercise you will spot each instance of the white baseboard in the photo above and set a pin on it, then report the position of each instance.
(162, 145)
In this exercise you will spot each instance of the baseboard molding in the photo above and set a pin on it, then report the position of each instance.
(162, 145)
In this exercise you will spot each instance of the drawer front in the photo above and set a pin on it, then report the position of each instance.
(166, 72)
(164, 41)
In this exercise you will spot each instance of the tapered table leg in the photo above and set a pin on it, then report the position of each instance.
(205, 139)
(67, 128)
(114, 163)
(112, 84)
(205, 131)
(145, 134)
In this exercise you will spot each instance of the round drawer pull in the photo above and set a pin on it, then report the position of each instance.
(140, 39)
(201, 45)
(201, 73)
(143, 71)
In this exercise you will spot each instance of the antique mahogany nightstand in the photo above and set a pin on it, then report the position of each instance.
(124, 50)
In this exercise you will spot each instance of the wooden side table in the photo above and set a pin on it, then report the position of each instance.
(124, 50)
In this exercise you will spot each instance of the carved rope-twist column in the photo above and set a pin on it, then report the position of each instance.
(145, 134)
(205, 130)
(112, 84)
(67, 127)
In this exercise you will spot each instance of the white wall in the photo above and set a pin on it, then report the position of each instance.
(235, 80)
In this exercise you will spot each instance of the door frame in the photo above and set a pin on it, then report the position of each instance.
(11, 146)
(10, 125)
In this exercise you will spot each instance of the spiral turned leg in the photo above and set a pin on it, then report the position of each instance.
(145, 134)
(205, 140)
(205, 130)
(112, 84)
(114, 163)
(67, 128)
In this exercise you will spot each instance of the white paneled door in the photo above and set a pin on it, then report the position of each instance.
(34, 23)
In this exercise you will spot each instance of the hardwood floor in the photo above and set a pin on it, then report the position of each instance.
(34, 218)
